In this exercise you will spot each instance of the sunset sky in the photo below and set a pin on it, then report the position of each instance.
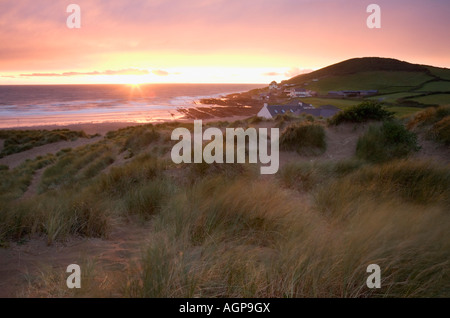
(210, 41)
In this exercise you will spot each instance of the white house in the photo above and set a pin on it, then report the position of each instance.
(297, 109)
(273, 85)
(300, 92)
(264, 112)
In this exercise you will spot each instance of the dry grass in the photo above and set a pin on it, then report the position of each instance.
(225, 231)
(305, 138)
(434, 123)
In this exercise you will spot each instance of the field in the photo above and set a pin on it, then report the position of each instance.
(437, 99)
(440, 86)
(399, 84)
(141, 226)
(339, 103)
(384, 82)
(443, 73)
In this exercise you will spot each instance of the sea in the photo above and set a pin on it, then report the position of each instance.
(40, 105)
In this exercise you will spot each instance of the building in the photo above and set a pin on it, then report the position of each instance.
(271, 111)
(351, 93)
(299, 92)
(273, 85)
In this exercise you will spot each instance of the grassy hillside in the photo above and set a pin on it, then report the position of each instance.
(360, 65)
(383, 81)
(398, 83)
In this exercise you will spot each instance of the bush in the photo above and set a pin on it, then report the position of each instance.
(388, 141)
(362, 113)
(305, 138)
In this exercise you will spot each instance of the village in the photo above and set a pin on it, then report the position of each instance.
(285, 98)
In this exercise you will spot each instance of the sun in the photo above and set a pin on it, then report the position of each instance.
(134, 80)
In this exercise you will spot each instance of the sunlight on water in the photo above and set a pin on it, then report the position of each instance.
(22, 106)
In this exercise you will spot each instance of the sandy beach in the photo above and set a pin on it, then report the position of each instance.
(103, 128)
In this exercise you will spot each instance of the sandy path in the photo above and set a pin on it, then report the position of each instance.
(15, 159)
(341, 144)
(33, 187)
(432, 150)
(111, 257)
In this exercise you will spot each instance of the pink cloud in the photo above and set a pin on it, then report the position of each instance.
(129, 71)
(271, 74)
(294, 71)
(160, 72)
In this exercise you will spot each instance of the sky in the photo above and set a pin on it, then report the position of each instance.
(210, 41)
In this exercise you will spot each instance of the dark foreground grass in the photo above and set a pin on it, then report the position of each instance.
(220, 231)
(251, 238)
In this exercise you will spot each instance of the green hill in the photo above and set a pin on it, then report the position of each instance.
(397, 82)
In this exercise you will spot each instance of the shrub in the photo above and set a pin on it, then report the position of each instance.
(388, 141)
(308, 139)
(362, 113)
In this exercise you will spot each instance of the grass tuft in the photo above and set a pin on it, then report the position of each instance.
(366, 111)
(385, 142)
(307, 139)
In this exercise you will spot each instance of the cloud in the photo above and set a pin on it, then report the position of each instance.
(272, 74)
(160, 72)
(128, 71)
(294, 71)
